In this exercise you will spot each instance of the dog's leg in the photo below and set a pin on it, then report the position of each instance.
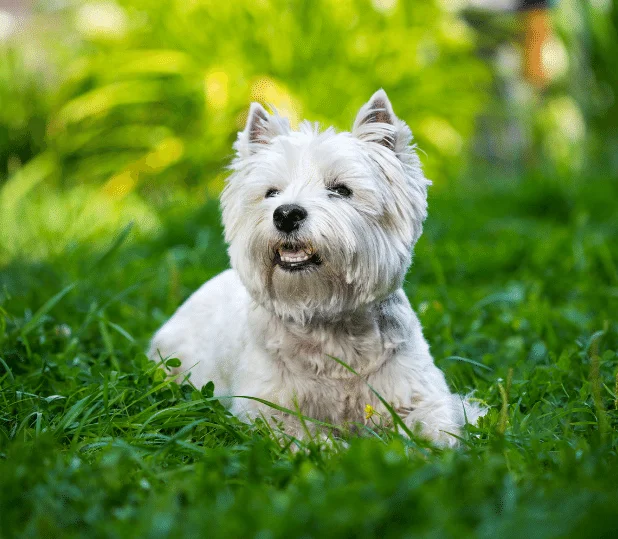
(421, 397)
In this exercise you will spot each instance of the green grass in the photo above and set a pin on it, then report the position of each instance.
(516, 284)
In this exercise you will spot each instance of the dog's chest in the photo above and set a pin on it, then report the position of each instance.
(325, 368)
(328, 353)
(316, 368)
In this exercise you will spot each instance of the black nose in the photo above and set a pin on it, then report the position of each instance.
(289, 217)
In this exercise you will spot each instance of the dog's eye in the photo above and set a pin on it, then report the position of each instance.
(340, 190)
(271, 193)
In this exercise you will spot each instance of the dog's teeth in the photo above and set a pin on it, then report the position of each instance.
(294, 257)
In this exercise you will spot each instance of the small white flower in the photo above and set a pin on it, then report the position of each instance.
(101, 19)
(384, 6)
(601, 5)
(555, 58)
(63, 330)
(8, 25)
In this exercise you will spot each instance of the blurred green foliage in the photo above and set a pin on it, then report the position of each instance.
(117, 109)
(113, 110)
(128, 76)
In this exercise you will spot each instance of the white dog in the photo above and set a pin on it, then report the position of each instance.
(320, 227)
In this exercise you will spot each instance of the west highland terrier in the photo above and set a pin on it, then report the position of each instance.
(320, 227)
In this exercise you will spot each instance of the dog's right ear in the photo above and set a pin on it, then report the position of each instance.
(260, 129)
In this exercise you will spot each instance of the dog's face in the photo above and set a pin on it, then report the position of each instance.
(321, 223)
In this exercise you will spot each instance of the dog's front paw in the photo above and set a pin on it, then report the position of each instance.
(435, 420)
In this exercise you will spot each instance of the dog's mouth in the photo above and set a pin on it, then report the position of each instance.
(295, 257)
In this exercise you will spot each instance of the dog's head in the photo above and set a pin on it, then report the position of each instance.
(320, 223)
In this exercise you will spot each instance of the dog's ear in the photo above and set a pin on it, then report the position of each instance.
(257, 125)
(376, 122)
(260, 129)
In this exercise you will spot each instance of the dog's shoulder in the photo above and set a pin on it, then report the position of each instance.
(225, 288)
(213, 313)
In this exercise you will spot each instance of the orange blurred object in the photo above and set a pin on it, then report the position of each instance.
(537, 31)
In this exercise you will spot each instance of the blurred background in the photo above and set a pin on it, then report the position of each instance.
(122, 111)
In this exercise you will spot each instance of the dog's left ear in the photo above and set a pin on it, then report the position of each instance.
(260, 129)
(376, 122)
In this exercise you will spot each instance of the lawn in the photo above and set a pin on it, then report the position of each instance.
(516, 284)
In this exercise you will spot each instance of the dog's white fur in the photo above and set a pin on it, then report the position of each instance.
(260, 330)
